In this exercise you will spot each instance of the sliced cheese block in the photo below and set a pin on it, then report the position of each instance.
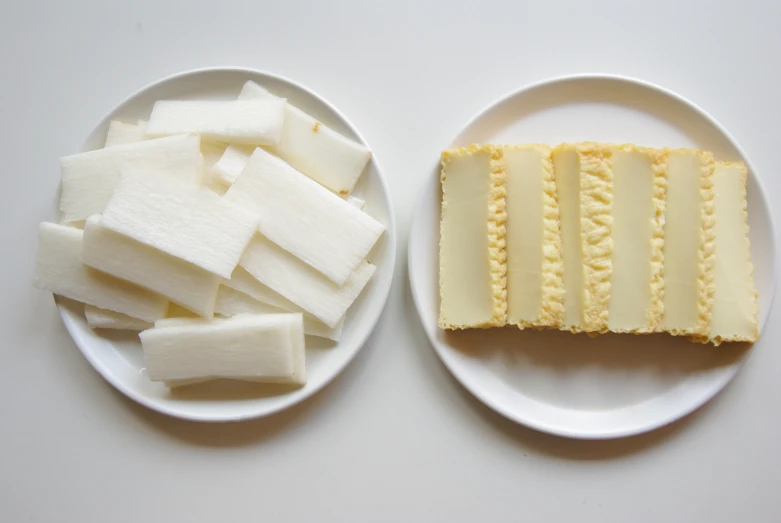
(301, 284)
(266, 347)
(120, 133)
(58, 269)
(304, 218)
(636, 285)
(89, 179)
(535, 291)
(735, 308)
(472, 256)
(184, 283)
(688, 243)
(253, 122)
(231, 302)
(191, 223)
(98, 318)
(314, 148)
(584, 184)
(232, 162)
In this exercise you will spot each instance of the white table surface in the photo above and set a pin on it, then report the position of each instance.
(394, 438)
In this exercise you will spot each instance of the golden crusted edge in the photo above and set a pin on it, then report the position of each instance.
(655, 312)
(717, 340)
(596, 202)
(497, 217)
(706, 255)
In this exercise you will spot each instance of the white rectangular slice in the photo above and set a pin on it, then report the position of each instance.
(356, 202)
(98, 318)
(735, 298)
(261, 347)
(688, 243)
(636, 286)
(232, 162)
(89, 179)
(303, 217)
(535, 292)
(300, 283)
(191, 223)
(120, 133)
(182, 282)
(314, 148)
(231, 302)
(252, 122)
(58, 269)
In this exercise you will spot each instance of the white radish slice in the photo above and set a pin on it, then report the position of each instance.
(356, 202)
(184, 283)
(191, 223)
(231, 302)
(89, 179)
(313, 148)
(243, 281)
(303, 217)
(58, 269)
(211, 155)
(254, 122)
(261, 347)
(232, 162)
(98, 318)
(300, 283)
(121, 133)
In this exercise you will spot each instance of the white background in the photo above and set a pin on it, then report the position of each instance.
(394, 438)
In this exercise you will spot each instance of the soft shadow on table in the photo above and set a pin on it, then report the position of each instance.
(574, 354)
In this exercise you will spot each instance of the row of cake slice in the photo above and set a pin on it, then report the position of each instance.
(596, 238)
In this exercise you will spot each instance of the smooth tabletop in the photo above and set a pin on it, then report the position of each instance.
(394, 438)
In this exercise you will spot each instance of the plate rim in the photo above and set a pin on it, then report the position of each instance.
(107, 374)
(485, 398)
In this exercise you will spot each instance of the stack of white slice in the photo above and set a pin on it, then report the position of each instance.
(240, 209)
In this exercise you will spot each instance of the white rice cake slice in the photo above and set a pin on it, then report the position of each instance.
(191, 223)
(314, 148)
(89, 179)
(181, 282)
(58, 269)
(231, 302)
(265, 347)
(735, 307)
(252, 122)
(300, 283)
(232, 162)
(304, 218)
(121, 133)
(98, 318)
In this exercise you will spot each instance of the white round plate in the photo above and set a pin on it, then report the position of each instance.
(118, 357)
(572, 385)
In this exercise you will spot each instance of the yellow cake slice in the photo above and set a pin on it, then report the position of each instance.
(735, 308)
(636, 283)
(472, 254)
(535, 291)
(584, 184)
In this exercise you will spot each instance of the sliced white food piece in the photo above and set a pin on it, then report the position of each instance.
(243, 281)
(212, 153)
(232, 162)
(356, 202)
(253, 122)
(268, 347)
(314, 148)
(182, 282)
(58, 269)
(231, 302)
(303, 217)
(191, 223)
(121, 133)
(89, 179)
(300, 283)
(98, 318)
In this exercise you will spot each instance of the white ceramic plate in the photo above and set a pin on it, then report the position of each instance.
(572, 385)
(118, 357)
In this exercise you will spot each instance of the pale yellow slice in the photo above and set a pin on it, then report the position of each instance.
(472, 255)
(688, 243)
(735, 298)
(535, 291)
(636, 283)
